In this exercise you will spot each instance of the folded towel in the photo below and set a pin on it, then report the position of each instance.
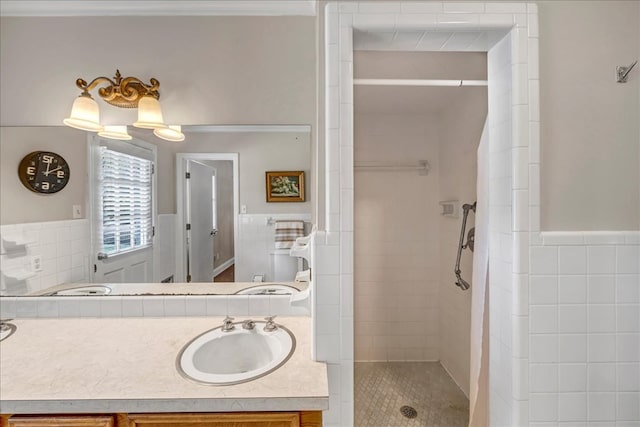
(286, 233)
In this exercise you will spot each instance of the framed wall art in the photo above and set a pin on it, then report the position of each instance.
(285, 186)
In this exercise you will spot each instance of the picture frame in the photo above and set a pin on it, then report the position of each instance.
(285, 186)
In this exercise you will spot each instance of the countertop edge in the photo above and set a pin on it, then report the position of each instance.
(164, 405)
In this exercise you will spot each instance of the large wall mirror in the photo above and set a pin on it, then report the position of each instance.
(212, 230)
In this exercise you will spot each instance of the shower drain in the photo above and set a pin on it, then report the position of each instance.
(408, 412)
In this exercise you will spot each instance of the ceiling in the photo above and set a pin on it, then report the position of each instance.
(421, 40)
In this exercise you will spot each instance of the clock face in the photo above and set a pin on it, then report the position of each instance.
(44, 172)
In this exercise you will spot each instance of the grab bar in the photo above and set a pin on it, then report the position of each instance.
(461, 283)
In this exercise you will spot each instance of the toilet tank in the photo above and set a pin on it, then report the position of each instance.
(283, 266)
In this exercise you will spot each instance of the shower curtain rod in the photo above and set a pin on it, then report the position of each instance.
(418, 82)
(422, 167)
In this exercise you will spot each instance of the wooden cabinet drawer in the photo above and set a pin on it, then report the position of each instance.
(61, 421)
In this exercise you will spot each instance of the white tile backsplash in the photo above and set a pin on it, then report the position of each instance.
(62, 245)
(149, 306)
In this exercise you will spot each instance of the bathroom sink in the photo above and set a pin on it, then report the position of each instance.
(237, 356)
(268, 290)
(6, 329)
(85, 290)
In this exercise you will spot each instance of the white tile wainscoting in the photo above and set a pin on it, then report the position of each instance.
(584, 329)
(256, 241)
(62, 246)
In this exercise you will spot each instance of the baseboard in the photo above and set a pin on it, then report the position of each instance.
(228, 263)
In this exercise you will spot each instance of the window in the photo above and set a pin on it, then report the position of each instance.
(125, 192)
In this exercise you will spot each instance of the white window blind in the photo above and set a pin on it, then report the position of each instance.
(125, 192)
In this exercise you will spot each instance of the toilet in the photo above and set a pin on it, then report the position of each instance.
(283, 266)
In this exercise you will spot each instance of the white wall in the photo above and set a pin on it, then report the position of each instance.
(222, 70)
(258, 152)
(589, 123)
(396, 240)
(462, 125)
(212, 70)
(581, 42)
(20, 205)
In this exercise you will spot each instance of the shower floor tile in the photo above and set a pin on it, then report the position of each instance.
(382, 388)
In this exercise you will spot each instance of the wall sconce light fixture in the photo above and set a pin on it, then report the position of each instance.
(128, 92)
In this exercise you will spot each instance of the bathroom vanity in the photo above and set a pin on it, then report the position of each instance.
(246, 419)
(123, 372)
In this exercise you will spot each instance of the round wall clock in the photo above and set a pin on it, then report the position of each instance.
(44, 172)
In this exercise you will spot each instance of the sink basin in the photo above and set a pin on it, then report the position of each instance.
(85, 290)
(226, 358)
(6, 330)
(268, 290)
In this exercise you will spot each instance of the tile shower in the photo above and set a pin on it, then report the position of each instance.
(411, 323)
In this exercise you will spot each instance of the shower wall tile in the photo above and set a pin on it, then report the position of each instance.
(395, 268)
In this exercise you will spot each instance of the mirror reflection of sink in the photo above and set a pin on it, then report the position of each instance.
(6, 330)
(85, 290)
(241, 355)
(268, 290)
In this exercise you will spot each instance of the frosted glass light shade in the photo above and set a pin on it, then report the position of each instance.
(85, 114)
(115, 132)
(170, 133)
(149, 114)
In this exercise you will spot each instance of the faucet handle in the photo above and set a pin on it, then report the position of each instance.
(227, 324)
(248, 324)
(271, 325)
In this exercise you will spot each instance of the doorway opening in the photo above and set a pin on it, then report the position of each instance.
(510, 40)
(122, 210)
(207, 207)
(411, 322)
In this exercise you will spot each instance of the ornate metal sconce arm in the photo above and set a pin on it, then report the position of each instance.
(124, 93)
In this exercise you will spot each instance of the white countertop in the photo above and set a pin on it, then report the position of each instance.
(193, 288)
(129, 365)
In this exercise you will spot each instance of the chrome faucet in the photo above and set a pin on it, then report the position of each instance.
(227, 324)
(248, 324)
(271, 325)
(5, 325)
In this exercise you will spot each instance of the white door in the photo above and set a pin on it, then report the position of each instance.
(135, 267)
(123, 210)
(200, 219)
